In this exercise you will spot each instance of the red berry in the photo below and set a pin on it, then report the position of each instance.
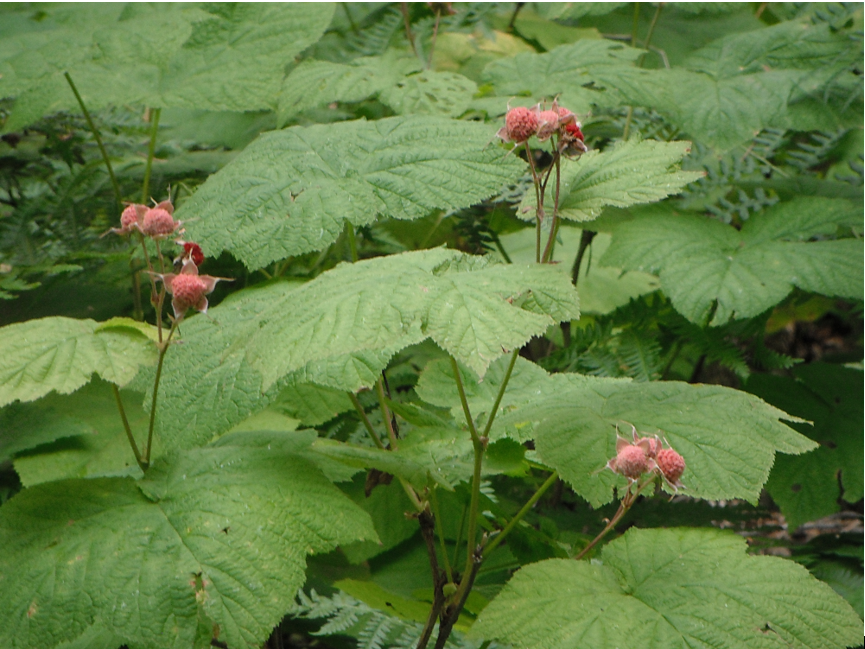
(188, 291)
(193, 252)
(672, 464)
(520, 124)
(631, 462)
(573, 130)
(158, 223)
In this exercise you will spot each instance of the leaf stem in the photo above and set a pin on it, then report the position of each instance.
(434, 37)
(352, 241)
(366, 422)
(501, 393)
(127, 427)
(549, 482)
(548, 250)
(95, 131)
(151, 147)
(479, 447)
(385, 413)
(163, 347)
(403, 7)
(627, 502)
(646, 45)
(441, 534)
(539, 209)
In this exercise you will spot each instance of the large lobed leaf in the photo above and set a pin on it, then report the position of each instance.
(669, 588)
(291, 191)
(218, 57)
(631, 172)
(728, 438)
(702, 262)
(472, 308)
(215, 535)
(62, 354)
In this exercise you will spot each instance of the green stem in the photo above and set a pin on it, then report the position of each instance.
(501, 393)
(646, 45)
(627, 502)
(127, 427)
(366, 422)
(548, 250)
(163, 347)
(352, 241)
(636, 24)
(385, 413)
(434, 36)
(98, 139)
(479, 446)
(441, 534)
(549, 482)
(539, 211)
(154, 127)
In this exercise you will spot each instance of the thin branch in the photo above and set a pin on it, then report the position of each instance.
(501, 393)
(520, 514)
(403, 7)
(441, 534)
(98, 139)
(465, 404)
(548, 250)
(163, 347)
(627, 502)
(151, 147)
(434, 37)
(366, 422)
(385, 413)
(127, 428)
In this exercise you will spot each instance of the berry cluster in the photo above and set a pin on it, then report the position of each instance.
(522, 123)
(645, 454)
(154, 222)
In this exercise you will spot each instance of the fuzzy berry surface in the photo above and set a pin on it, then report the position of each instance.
(651, 444)
(672, 464)
(188, 290)
(521, 123)
(549, 123)
(158, 222)
(128, 218)
(632, 462)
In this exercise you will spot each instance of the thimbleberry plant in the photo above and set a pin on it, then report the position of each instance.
(436, 338)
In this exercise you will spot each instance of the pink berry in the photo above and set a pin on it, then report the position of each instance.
(548, 123)
(129, 218)
(651, 445)
(631, 461)
(672, 465)
(158, 223)
(188, 291)
(520, 124)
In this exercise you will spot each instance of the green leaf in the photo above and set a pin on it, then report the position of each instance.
(219, 58)
(312, 404)
(467, 305)
(574, 72)
(631, 172)
(387, 505)
(291, 191)
(315, 83)
(103, 448)
(430, 92)
(702, 261)
(602, 290)
(728, 438)
(62, 354)
(213, 534)
(669, 588)
(807, 487)
(26, 426)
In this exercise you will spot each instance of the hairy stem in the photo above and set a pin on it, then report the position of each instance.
(554, 226)
(96, 136)
(501, 393)
(539, 210)
(520, 514)
(151, 147)
(127, 427)
(163, 347)
(403, 7)
(352, 241)
(366, 422)
(435, 34)
(441, 533)
(626, 504)
(385, 413)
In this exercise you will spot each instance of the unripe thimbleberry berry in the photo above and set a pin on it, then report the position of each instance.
(188, 291)
(520, 124)
(158, 223)
(548, 123)
(652, 446)
(671, 464)
(631, 461)
(129, 218)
